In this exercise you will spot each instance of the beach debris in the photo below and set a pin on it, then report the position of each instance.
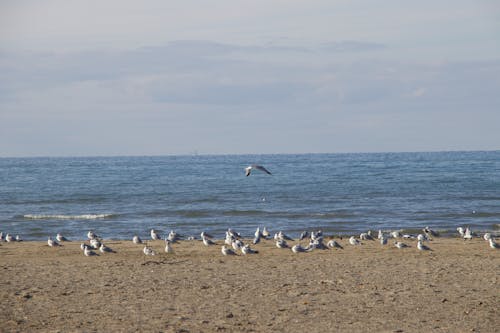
(248, 169)
(227, 251)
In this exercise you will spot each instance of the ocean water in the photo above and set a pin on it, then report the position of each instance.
(338, 193)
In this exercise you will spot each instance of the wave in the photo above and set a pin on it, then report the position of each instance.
(66, 217)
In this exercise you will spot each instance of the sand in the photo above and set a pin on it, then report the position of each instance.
(367, 288)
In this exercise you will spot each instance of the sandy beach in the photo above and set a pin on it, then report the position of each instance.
(367, 288)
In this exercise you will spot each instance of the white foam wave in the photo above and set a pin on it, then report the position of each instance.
(66, 217)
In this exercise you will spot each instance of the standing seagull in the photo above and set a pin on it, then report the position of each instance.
(249, 169)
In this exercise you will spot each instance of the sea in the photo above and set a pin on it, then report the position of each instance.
(341, 194)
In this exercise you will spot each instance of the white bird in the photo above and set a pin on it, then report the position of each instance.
(400, 245)
(91, 235)
(207, 241)
(333, 244)
(303, 235)
(354, 241)
(154, 235)
(52, 242)
(137, 240)
(205, 235)
(227, 251)
(83, 246)
(281, 244)
(94, 243)
(298, 248)
(173, 236)
(237, 244)
(422, 238)
(383, 240)
(493, 244)
(395, 234)
(88, 252)
(9, 238)
(468, 233)
(103, 248)
(168, 247)
(256, 240)
(487, 236)
(249, 169)
(380, 234)
(148, 251)
(257, 234)
(1, 236)
(461, 231)
(365, 236)
(428, 231)
(18, 238)
(265, 233)
(61, 238)
(422, 247)
(247, 250)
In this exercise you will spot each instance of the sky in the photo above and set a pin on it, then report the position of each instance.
(107, 78)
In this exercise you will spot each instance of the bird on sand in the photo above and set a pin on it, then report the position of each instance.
(249, 169)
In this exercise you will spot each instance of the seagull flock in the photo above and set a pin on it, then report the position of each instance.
(234, 244)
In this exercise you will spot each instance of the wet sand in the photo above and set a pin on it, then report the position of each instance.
(367, 288)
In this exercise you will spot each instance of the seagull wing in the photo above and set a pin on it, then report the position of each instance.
(247, 171)
(261, 168)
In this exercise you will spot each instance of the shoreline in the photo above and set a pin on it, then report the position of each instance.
(453, 288)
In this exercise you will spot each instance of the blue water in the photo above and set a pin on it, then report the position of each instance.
(338, 193)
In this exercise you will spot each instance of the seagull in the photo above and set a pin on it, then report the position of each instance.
(298, 248)
(95, 243)
(207, 241)
(354, 241)
(365, 236)
(265, 233)
(103, 248)
(422, 238)
(493, 245)
(428, 231)
(487, 236)
(18, 238)
(281, 244)
(249, 169)
(461, 231)
(227, 251)
(154, 235)
(9, 238)
(247, 250)
(257, 238)
(137, 240)
(395, 234)
(468, 233)
(52, 242)
(148, 251)
(205, 235)
(333, 244)
(88, 252)
(380, 234)
(168, 247)
(237, 244)
(400, 245)
(422, 247)
(61, 238)
(91, 235)
(383, 240)
(173, 236)
(303, 235)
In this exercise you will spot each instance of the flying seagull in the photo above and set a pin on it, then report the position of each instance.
(248, 169)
